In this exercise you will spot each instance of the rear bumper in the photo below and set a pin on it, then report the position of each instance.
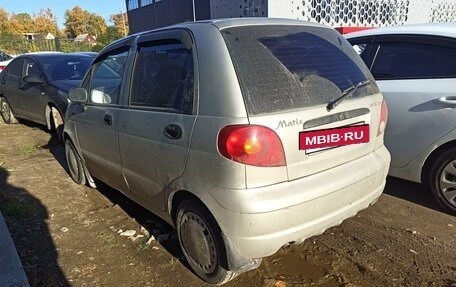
(259, 221)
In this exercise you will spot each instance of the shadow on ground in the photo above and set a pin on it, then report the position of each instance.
(413, 192)
(26, 218)
(162, 231)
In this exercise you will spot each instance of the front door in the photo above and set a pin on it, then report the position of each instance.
(97, 124)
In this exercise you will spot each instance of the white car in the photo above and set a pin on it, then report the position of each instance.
(4, 60)
(414, 66)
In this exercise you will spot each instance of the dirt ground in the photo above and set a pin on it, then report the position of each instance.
(70, 235)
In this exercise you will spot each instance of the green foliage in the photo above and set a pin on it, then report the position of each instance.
(28, 149)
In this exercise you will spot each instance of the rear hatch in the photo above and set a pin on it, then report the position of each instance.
(288, 75)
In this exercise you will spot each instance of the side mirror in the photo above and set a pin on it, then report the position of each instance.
(33, 79)
(78, 95)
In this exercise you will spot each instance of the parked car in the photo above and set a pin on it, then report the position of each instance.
(35, 87)
(246, 135)
(4, 60)
(414, 68)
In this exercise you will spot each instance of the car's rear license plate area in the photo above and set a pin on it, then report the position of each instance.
(318, 140)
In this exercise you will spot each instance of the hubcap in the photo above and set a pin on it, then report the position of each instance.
(198, 243)
(448, 182)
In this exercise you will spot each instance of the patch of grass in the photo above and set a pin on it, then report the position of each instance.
(15, 209)
(28, 149)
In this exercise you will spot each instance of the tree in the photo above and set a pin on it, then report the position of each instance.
(120, 22)
(109, 36)
(97, 25)
(22, 23)
(6, 29)
(45, 22)
(79, 21)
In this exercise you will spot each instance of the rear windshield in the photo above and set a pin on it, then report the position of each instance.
(292, 67)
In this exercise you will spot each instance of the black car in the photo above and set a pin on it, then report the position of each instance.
(35, 87)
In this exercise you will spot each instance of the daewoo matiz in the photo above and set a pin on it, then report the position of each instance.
(244, 134)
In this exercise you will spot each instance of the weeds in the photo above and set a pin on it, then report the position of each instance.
(28, 149)
(173, 262)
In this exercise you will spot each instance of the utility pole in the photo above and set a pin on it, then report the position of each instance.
(123, 20)
(194, 14)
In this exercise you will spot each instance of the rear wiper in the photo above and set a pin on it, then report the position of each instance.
(347, 93)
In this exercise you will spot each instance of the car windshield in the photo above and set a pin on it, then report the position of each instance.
(66, 68)
(290, 67)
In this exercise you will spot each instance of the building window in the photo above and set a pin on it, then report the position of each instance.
(146, 2)
(132, 4)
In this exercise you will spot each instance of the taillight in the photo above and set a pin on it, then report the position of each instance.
(383, 118)
(252, 145)
(2, 67)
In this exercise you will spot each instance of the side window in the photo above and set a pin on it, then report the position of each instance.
(364, 48)
(163, 77)
(106, 78)
(15, 68)
(395, 61)
(31, 68)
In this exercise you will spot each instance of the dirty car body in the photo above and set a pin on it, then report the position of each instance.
(200, 123)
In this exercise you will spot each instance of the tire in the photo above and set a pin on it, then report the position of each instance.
(74, 163)
(442, 180)
(57, 124)
(6, 112)
(202, 243)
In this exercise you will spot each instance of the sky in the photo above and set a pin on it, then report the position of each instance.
(103, 8)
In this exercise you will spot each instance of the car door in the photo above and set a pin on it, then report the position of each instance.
(31, 94)
(417, 77)
(155, 131)
(97, 123)
(10, 85)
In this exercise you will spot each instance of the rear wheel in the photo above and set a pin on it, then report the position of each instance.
(7, 114)
(442, 179)
(202, 243)
(74, 162)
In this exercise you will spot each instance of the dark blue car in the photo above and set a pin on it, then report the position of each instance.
(35, 86)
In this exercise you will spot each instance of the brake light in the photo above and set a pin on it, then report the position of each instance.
(2, 67)
(383, 118)
(252, 145)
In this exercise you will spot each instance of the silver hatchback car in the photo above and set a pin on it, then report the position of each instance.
(244, 134)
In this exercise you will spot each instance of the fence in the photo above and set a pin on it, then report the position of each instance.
(20, 46)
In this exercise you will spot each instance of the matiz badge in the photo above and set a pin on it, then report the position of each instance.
(328, 138)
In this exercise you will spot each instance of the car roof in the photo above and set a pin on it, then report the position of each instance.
(236, 22)
(434, 29)
(47, 55)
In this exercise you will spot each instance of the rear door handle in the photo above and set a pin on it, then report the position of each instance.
(448, 100)
(107, 120)
(173, 132)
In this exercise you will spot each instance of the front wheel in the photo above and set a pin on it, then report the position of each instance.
(202, 243)
(442, 179)
(57, 124)
(74, 163)
(7, 113)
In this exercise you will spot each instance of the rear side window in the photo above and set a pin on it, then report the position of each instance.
(291, 67)
(15, 67)
(395, 61)
(163, 77)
